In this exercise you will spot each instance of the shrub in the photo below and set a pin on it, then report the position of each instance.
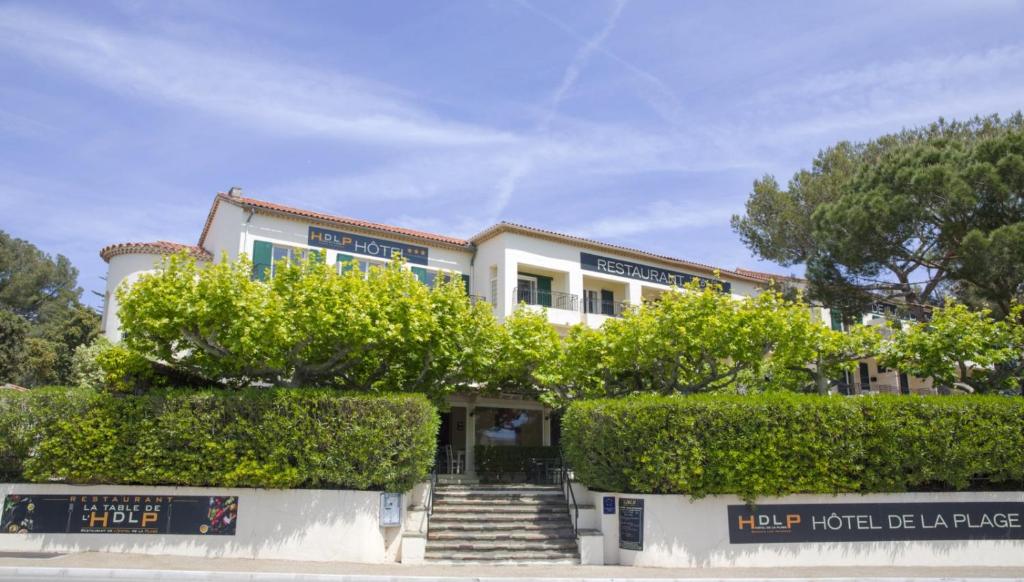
(25, 417)
(275, 438)
(778, 444)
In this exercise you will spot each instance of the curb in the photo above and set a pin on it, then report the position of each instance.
(30, 573)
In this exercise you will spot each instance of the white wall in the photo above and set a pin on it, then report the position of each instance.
(294, 524)
(679, 532)
(123, 268)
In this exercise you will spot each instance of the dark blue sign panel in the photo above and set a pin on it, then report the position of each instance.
(876, 522)
(119, 514)
(631, 524)
(366, 245)
(609, 505)
(610, 266)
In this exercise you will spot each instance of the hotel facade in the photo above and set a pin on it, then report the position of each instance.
(511, 266)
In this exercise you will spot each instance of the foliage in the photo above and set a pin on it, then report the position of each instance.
(309, 325)
(494, 462)
(956, 342)
(527, 348)
(13, 331)
(902, 216)
(42, 293)
(779, 444)
(272, 438)
(85, 367)
(699, 339)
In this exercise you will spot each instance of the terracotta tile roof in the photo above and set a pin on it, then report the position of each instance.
(246, 202)
(769, 276)
(497, 229)
(160, 247)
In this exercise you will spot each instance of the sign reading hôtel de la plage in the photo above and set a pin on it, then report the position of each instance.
(366, 245)
(873, 522)
(119, 514)
(611, 266)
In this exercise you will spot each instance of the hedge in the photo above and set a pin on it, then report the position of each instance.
(778, 444)
(500, 463)
(274, 438)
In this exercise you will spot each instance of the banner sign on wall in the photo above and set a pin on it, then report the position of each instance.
(873, 522)
(610, 266)
(119, 514)
(366, 245)
(631, 524)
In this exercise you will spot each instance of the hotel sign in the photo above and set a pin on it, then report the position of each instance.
(640, 272)
(366, 245)
(119, 514)
(876, 522)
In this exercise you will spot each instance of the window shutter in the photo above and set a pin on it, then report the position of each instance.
(837, 319)
(421, 274)
(317, 256)
(465, 282)
(544, 290)
(607, 302)
(261, 259)
(346, 263)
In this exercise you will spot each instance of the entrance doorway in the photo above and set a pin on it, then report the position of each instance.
(451, 442)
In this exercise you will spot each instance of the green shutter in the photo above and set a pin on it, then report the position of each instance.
(318, 256)
(421, 274)
(348, 264)
(607, 302)
(261, 261)
(465, 282)
(837, 319)
(543, 290)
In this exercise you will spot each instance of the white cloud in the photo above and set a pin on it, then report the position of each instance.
(284, 98)
(658, 216)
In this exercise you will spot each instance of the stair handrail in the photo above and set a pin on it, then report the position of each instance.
(433, 487)
(570, 495)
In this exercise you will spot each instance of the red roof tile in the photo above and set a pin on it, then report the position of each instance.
(767, 276)
(160, 247)
(321, 216)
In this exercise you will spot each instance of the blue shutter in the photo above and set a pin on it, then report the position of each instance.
(346, 262)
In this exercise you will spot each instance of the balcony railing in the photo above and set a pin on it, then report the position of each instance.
(605, 307)
(554, 299)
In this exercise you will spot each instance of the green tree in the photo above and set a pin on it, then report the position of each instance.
(13, 331)
(901, 217)
(957, 345)
(308, 325)
(43, 293)
(527, 350)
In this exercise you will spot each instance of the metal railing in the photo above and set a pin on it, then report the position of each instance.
(553, 299)
(433, 487)
(570, 495)
(605, 307)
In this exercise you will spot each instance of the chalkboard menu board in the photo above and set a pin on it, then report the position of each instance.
(631, 524)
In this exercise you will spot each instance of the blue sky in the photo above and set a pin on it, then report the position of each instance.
(642, 122)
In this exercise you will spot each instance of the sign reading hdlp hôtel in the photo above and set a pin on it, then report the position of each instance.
(610, 266)
(872, 522)
(119, 514)
(366, 245)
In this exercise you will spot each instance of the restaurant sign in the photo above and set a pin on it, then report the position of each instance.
(366, 245)
(119, 514)
(610, 266)
(875, 522)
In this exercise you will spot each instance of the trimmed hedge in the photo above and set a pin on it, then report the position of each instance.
(500, 462)
(274, 438)
(778, 444)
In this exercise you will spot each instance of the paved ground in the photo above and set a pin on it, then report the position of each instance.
(101, 566)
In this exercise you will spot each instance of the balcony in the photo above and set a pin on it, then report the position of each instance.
(605, 307)
(553, 299)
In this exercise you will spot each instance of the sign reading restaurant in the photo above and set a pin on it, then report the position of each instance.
(640, 272)
(366, 245)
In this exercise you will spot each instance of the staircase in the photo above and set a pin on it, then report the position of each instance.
(500, 524)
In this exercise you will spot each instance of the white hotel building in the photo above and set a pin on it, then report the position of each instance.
(577, 280)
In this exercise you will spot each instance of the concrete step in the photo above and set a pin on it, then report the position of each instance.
(492, 556)
(526, 497)
(534, 535)
(495, 517)
(501, 487)
(498, 526)
(498, 545)
(519, 508)
(472, 562)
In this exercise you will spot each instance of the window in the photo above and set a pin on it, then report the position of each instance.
(265, 256)
(527, 289)
(591, 301)
(345, 264)
(494, 291)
